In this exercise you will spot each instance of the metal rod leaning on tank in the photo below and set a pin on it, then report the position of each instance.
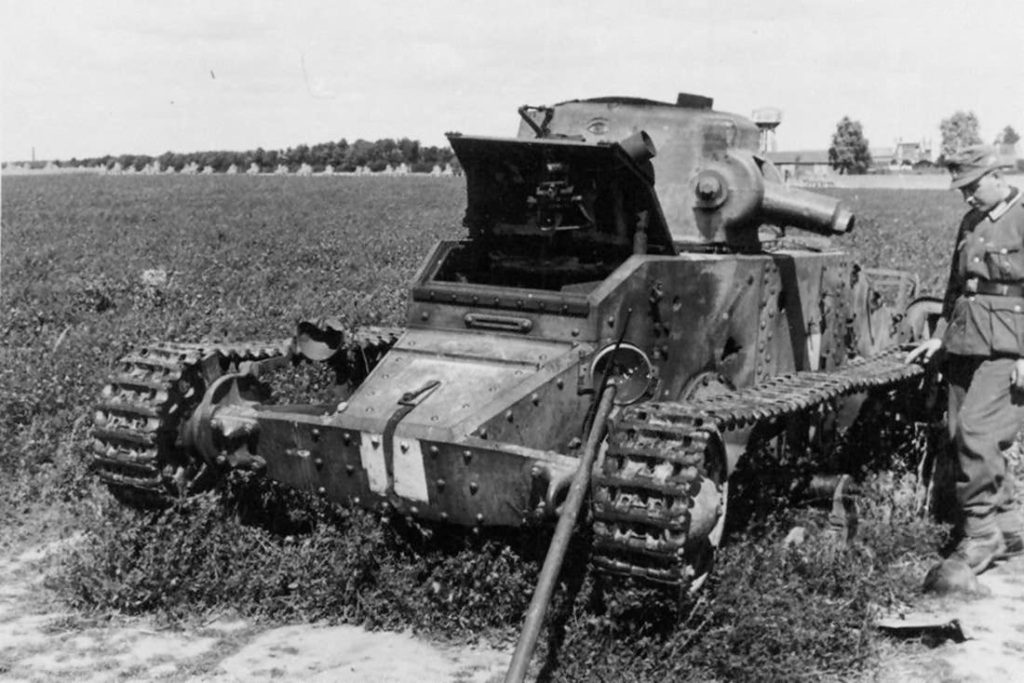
(588, 419)
(595, 423)
(559, 543)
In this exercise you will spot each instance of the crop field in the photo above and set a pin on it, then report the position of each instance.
(93, 266)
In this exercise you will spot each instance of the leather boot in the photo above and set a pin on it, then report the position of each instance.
(1012, 525)
(979, 552)
(1014, 541)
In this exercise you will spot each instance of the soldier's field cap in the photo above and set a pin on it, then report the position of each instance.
(971, 163)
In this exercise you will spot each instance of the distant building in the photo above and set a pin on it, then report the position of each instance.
(914, 152)
(800, 164)
(902, 156)
(813, 164)
(1008, 154)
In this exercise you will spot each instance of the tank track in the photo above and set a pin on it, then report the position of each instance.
(136, 448)
(658, 458)
(364, 348)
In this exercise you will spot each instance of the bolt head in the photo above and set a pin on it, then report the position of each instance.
(708, 187)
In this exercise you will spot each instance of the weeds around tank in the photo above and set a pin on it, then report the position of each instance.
(626, 295)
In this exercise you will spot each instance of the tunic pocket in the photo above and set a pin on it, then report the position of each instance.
(1005, 263)
(1007, 317)
(969, 329)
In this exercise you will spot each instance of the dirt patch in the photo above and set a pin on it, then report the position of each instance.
(349, 653)
(993, 625)
(41, 642)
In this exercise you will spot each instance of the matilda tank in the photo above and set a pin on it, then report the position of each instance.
(637, 295)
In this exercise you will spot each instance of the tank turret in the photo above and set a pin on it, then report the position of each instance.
(712, 185)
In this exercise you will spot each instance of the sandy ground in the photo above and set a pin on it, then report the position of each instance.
(39, 641)
(993, 626)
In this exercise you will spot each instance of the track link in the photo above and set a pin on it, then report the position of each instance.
(364, 348)
(659, 500)
(136, 448)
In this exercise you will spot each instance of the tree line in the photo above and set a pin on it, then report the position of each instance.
(849, 151)
(341, 156)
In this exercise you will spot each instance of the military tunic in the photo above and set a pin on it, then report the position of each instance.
(984, 337)
(984, 318)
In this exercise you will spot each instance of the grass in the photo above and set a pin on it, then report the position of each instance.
(911, 230)
(246, 258)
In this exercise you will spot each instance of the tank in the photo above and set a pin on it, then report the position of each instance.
(636, 298)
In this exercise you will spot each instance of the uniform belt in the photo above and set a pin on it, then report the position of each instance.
(976, 286)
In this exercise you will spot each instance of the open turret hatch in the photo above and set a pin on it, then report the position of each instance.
(554, 213)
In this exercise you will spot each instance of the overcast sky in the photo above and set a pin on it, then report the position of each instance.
(92, 77)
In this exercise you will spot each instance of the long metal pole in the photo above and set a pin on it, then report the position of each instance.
(559, 543)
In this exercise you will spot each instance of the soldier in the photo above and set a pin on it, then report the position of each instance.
(982, 337)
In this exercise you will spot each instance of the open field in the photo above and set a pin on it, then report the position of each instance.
(94, 266)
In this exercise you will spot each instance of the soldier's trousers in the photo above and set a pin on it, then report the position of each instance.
(984, 418)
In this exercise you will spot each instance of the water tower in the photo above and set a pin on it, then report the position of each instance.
(767, 120)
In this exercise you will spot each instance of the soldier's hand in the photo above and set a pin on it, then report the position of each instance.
(1017, 375)
(926, 349)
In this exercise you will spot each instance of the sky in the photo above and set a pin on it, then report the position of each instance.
(86, 78)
